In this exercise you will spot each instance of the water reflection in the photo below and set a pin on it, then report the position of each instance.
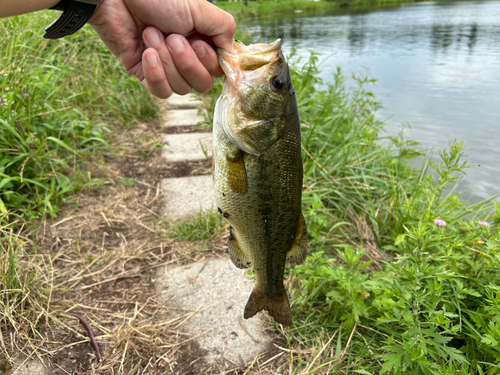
(357, 32)
(443, 37)
(437, 65)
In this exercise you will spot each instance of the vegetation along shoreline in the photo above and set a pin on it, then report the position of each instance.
(402, 277)
(272, 8)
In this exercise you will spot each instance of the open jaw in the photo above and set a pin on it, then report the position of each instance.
(247, 71)
(256, 49)
(249, 63)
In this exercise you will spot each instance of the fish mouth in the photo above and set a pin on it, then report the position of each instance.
(246, 63)
(247, 69)
(251, 49)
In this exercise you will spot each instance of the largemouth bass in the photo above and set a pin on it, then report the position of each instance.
(258, 171)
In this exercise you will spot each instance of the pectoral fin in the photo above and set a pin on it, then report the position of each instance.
(238, 257)
(237, 174)
(298, 252)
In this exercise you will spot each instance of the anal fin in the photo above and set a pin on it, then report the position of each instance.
(238, 257)
(298, 253)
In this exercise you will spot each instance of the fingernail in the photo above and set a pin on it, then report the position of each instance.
(154, 38)
(200, 51)
(151, 59)
(175, 43)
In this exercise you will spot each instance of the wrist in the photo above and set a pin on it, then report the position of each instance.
(76, 13)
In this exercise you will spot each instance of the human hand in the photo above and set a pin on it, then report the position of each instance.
(134, 30)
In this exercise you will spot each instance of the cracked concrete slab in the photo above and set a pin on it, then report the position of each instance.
(185, 197)
(187, 147)
(218, 292)
(182, 117)
(214, 290)
(183, 101)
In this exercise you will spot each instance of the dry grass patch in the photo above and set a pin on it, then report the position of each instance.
(98, 259)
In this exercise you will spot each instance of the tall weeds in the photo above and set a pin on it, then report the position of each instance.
(387, 288)
(412, 296)
(59, 102)
(55, 100)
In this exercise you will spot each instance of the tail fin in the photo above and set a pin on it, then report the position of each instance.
(278, 307)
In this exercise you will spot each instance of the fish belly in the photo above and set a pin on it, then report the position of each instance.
(260, 197)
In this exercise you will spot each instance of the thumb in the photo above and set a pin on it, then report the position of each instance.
(212, 21)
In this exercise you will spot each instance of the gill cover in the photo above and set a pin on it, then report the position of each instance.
(252, 106)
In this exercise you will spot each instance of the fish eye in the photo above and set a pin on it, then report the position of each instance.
(278, 82)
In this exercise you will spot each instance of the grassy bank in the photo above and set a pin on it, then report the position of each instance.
(269, 8)
(401, 278)
(256, 9)
(55, 97)
(59, 103)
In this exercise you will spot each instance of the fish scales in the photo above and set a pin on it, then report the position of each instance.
(258, 171)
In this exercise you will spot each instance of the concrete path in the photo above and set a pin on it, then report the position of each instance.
(185, 197)
(183, 101)
(218, 292)
(182, 110)
(187, 147)
(182, 117)
(214, 289)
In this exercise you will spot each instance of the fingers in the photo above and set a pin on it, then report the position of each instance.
(154, 75)
(207, 57)
(180, 66)
(188, 64)
(153, 38)
(123, 26)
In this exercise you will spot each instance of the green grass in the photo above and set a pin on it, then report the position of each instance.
(203, 227)
(384, 289)
(59, 102)
(25, 281)
(270, 8)
(57, 99)
(256, 9)
(431, 305)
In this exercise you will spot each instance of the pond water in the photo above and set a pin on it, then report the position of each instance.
(437, 66)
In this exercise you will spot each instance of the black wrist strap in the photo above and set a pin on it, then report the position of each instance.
(75, 15)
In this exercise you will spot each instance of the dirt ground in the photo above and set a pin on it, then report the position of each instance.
(101, 255)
